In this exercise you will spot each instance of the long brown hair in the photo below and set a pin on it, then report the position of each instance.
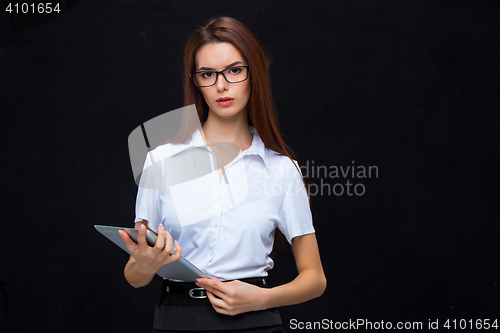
(261, 111)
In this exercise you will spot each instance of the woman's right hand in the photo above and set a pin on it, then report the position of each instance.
(148, 259)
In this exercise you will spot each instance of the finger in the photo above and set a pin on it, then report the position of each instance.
(213, 285)
(160, 240)
(217, 303)
(218, 285)
(141, 238)
(205, 283)
(178, 251)
(168, 242)
(129, 243)
(170, 258)
(220, 310)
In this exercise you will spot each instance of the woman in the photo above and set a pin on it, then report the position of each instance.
(227, 78)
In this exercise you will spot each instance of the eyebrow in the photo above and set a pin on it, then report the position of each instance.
(230, 65)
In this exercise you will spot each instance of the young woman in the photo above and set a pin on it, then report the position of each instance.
(261, 190)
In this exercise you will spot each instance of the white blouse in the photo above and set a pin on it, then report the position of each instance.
(225, 227)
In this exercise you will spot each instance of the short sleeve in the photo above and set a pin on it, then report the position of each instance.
(295, 214)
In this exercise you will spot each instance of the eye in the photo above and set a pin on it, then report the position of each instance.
(234, 70)
(207, 75)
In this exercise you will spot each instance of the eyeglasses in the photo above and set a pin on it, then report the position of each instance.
(209, 78)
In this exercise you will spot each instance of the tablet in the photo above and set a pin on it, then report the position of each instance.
(181, 269)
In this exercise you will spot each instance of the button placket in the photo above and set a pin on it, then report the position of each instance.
(219, 192)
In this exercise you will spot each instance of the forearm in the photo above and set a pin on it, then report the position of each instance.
(308, 284)
(236, 297)
(135, 276)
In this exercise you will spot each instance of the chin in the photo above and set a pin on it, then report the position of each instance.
(227, 112)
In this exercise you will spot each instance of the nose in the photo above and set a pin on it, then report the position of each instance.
(222, 83)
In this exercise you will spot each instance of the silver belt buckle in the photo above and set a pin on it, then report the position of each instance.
(202, 293)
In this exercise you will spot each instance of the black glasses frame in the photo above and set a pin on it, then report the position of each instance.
(217, 75)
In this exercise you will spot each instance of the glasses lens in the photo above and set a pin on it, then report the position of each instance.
(236, 74)
(232, 75)
(204, 79)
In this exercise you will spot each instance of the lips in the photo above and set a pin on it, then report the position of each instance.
(224, 101)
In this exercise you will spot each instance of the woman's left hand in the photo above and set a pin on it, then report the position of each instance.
(234, 297)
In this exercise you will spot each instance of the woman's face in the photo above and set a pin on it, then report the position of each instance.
(224, 99)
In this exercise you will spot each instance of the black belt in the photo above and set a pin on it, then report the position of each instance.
(193, 291)
(178, 311)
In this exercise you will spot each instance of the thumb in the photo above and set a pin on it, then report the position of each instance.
(129, 243)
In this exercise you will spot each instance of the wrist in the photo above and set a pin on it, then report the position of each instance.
(135, 277)
(143, 269)
(267, 298)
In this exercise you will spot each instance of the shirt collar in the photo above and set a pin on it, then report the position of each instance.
(256, 148)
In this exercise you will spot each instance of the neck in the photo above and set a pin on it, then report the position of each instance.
(227, 129)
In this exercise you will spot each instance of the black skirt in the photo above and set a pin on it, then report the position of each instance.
(178, 312)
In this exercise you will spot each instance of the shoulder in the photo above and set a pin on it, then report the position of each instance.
(164, 151)
(282, 165)
(169, 149)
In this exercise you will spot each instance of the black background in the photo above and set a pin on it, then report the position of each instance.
(408, 86)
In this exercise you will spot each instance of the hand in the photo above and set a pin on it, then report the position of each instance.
(151, 259)
(234, 297)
